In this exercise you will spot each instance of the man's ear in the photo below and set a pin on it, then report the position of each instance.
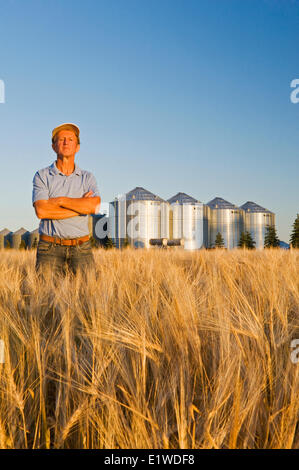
(53, 147)
(78, 148)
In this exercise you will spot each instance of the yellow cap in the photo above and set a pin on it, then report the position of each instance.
(68, 126)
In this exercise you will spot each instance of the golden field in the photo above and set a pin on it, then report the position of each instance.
(163, 349)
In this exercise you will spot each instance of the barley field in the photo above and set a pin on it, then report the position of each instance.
(161, 350)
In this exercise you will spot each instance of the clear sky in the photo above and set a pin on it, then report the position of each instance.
(171, 95)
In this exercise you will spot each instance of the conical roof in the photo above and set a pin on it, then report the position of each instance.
(21, 231)
(5, 232)
(34, 231)
(141, 194)
(219, 203)
(182, 198)
(250, 206)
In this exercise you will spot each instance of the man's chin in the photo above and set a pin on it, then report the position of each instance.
(66, 155)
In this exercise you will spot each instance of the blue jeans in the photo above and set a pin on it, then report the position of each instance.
(61, 259)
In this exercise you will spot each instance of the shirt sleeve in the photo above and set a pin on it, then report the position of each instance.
(40, 190)
(92, 185)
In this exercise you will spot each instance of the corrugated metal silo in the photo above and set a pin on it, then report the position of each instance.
(139, 216)
(189, 219)
(256, 219)
(5, 235)
(18, 236)
(226, 218)
(117, 221)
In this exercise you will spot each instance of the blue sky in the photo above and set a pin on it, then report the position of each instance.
(171, 95)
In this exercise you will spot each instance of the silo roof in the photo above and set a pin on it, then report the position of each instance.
(5, 232)
(34, 231)
(250, 206)
(141, 194)
(21, 231)
(182, 198)
(219, 203)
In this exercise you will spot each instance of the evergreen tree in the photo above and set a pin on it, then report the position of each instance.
(219, 242)
(249, 241)
(271, 238)
(294, 240)
(246, 241)
(242, 241)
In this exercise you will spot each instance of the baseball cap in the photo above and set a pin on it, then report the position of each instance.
(67, 126)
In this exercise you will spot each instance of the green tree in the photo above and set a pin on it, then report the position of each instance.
(249, 241)
(271, 238)
(294, 240)
(219, 242)
(246, 241)
(242, 241)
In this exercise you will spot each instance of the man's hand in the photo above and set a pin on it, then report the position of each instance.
(57, 200)
(61, 200)
(88, 194)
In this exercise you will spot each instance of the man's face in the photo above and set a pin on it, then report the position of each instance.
(66, 143)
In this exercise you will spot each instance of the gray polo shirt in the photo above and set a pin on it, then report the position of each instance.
(50, 182)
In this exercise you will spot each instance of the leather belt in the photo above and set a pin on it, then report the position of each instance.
(65, 241)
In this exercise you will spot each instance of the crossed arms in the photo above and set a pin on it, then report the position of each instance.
(66, 207)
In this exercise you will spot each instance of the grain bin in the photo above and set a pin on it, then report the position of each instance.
(139, 216)
(18, 237)
(256, 219)
(227, 219)
(189, 221)
(117, 221)
(5, 237)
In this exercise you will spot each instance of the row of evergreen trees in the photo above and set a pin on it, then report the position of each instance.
(271, 238)
(246, 240)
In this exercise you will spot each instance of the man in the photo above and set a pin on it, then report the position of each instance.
(63, 196)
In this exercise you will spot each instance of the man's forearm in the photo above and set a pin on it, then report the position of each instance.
(83, 205)
(51, 210)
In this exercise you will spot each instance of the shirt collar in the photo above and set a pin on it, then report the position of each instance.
(54, 170)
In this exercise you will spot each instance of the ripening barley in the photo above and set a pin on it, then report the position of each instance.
(163, 349)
